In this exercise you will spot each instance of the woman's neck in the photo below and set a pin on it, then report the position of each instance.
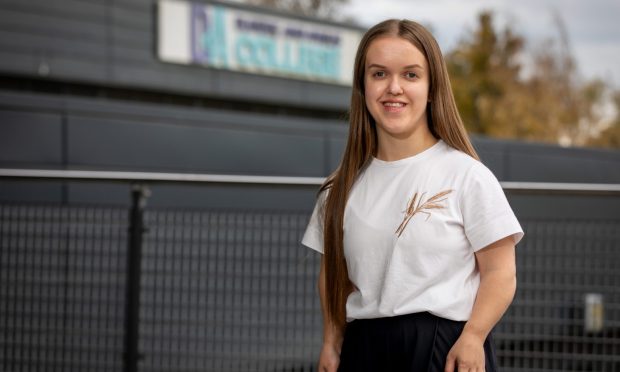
(393, 148)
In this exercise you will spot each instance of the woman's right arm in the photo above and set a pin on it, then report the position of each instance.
(332, 335)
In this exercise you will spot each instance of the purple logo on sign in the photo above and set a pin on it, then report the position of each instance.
(208, 35)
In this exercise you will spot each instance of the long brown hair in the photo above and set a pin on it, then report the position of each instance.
(444, 123)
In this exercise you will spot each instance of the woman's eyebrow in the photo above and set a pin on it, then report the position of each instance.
(376, 65)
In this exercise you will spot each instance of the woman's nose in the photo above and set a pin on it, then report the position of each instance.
(395, 87)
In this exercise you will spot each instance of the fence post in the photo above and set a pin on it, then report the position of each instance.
(131, 355)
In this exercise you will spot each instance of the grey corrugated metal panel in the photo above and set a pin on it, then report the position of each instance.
(63, 67)
(30, 138)
(122, 144)
(548, 163)
(156, 113)
(127, 57)
(32, 102)
(115, 194)
(513, 160)
(52, 45)
(250, 86)
(65, 9)
(225, 84)
(136, 39)
(567, 207)
(19, 62)
(50, 25)
(138, 5)
(164, 77)
(126, 60)
(69, 46)
(131, 73)
(553, 168)
(336, 143)
(330, 96)
(132, 19)
(67, 40)
(200, 117)
(537, 148)
(493, 154)
(62, 60)
(44, 192)
(241, 86)
(268, 89)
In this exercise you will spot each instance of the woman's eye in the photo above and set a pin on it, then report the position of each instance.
(411, 75)
(379, 74)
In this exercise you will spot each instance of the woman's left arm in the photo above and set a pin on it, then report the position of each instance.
(498, 283)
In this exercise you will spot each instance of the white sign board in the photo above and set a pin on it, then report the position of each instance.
(217, 36)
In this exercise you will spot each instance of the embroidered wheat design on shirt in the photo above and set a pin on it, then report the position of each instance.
(421, 207)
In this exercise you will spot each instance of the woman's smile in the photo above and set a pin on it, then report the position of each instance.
(394, 106)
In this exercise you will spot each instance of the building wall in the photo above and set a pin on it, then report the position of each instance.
(81, 88)
(113, 43)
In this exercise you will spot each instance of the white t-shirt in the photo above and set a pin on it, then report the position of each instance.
(411, 228)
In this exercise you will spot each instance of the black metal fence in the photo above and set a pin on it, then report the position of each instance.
(560, 264)
(230, 290)
(62, 287)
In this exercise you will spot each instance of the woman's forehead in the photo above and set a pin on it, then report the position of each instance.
(393, 51)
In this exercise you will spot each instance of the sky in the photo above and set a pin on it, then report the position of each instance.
(592, 25)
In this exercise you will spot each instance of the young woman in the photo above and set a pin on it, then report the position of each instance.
(416, 234)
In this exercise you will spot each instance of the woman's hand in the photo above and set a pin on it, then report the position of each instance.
(329, 359)
(466, 355)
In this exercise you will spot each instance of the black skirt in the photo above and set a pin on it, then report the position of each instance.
(417, 342)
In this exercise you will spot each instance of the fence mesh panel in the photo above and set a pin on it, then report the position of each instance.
(228, 291)
(62, 285)
(235, 291)
(558, 264)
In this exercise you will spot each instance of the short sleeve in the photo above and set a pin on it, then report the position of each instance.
(313, 237)
(487, 216)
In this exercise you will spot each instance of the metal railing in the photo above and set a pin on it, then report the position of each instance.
(221, 290)
(159, 177)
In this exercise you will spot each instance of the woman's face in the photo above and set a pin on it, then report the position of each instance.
(396, 86)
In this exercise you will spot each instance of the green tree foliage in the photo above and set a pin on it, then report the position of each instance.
(496, 97)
